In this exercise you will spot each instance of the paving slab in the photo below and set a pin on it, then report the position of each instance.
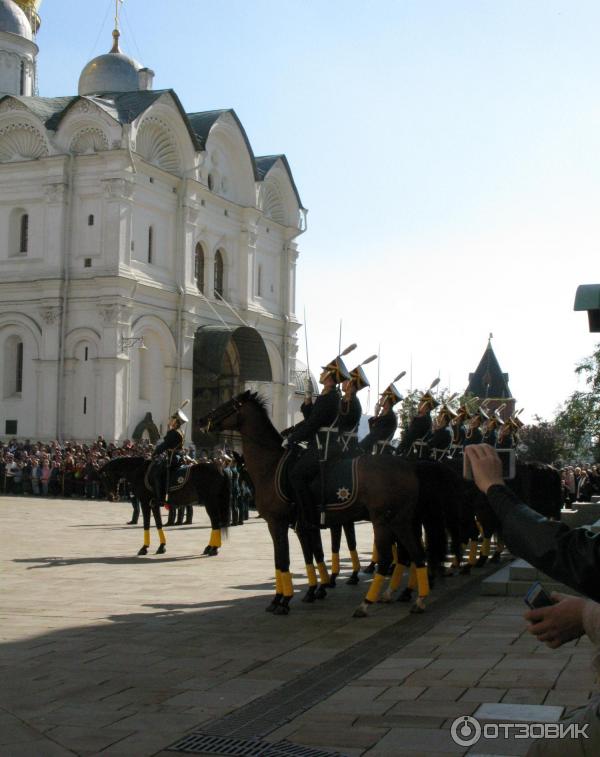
(105, 652)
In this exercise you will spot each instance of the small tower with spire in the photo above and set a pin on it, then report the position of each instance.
(488, 382)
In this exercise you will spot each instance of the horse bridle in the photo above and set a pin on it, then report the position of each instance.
(220, 414)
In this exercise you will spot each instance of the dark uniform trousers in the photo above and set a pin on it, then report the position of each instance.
(307, 467)
(172, 442)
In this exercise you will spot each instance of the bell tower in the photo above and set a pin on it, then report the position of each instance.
(18, 50)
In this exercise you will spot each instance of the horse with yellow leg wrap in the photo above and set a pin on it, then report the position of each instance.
(204, 485)
(387, 494)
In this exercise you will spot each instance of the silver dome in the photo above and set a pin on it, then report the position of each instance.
(13, 20)
(112, 72)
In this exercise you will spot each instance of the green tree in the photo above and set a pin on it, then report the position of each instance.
(542, 441)
(579, 417)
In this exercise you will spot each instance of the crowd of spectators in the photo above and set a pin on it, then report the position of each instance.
(71, 469)
(579, 483)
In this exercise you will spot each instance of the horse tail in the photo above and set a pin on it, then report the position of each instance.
(438, 506)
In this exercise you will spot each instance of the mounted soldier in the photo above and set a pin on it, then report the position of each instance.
(317, 430)
(416, 435)
(440, 441)
(383, 425)
(474, 433)
(491, 426)
(350, 411)
(167, 455)
(508, 434)
(459, 430)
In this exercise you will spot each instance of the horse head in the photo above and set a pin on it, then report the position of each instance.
(226, 417)
(110, 479)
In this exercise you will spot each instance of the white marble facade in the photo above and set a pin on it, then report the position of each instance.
(121, 216)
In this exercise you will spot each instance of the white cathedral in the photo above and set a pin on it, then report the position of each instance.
(147, 256)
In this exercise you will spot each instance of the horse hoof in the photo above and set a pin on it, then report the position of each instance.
(360, 612)
(386, 598)
(143, 551)
(214, 551)
(354, 579)
(281, 610)
(162, 548)
(481, 562)
(321, 592)
(332, 581)
(309, 597)
(405, 596)
(465, 570)
(416, 609)
(207, 550)
(370, 568)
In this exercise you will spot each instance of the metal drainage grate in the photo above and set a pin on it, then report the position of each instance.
(199, 743)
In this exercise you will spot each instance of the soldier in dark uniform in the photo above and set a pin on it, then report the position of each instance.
(474, 434)
(490, 429)
(321, 414)
(420, 426)
(441, 438)
(383, 425)
(172, 445)
(508, 434)
(350, 411)
(458, 426)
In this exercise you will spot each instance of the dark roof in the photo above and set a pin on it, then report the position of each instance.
(202, 123)
(488, 381)
(45, 108)
(125, 107)
(265, 163)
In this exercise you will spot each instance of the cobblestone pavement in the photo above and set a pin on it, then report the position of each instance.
(104, 652)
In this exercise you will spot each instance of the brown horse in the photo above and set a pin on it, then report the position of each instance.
(206, 485)
(388, 494)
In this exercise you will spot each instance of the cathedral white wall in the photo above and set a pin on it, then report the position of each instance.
(114, 292)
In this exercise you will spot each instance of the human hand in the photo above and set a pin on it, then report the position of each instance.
(485, 464)
(557, 623)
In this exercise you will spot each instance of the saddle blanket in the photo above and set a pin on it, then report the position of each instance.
(341, 483)
(177, 477)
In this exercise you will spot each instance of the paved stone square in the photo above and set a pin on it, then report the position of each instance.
(104, 652)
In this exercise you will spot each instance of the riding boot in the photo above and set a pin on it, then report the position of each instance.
(189, 515)
(180, 515)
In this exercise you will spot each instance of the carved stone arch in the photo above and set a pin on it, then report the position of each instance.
(272, 203)
(157, 144)
(276, 361)
(77, 336)
(20, 319)
(87, 140)
(153, 323)
(21, 140)
(229, 160)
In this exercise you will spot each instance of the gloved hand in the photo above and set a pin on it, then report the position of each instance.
(285, 443)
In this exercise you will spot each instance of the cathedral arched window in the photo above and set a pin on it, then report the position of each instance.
(199, 267)
(219, 274)
(13, 366)
(150, 243)
(23, 80)
(24, 233)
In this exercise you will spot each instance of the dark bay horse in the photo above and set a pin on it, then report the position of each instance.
(388, 496)
(206, 485)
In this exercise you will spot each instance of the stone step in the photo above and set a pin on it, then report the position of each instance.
(580, 514)
(514, 580)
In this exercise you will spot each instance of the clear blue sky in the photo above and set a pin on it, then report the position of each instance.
(448, 152)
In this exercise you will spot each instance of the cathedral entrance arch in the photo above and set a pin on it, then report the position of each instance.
(224, 362)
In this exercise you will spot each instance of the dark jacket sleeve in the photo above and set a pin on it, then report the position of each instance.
(381, 428)
(570, 555)
(172, 440)
(419, 428)
(324, 413)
